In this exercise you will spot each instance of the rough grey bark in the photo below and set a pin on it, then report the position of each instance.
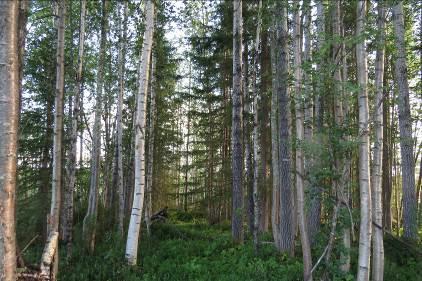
(237, 159)
(300, 131)
(139, 186)
(287, 229)
(119, 137)
(256, 142)
(9, 120)
(90, 219)
(405, 126)
(314, 217)
(365, 231)
(71, 165)
(54, 216)
(151, 138)
(376, 181)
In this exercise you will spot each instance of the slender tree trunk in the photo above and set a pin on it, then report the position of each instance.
(151, 137)
(50, 270)
(139, 188)
(377, 238)
(119, 138)
(300, 169)
(275, 208)
(71, 168)
(287, 228)
(237, 159)
(90, 220)
(364, 173)
(405, 125)
(9, 122)
(256, 142)
(185, 195)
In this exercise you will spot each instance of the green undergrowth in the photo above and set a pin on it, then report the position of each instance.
(193, 251)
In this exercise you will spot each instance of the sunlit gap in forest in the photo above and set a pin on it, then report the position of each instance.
(210, 140)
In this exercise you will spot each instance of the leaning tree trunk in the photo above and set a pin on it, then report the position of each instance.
(71, 168)
(256, 144)
(377, 238)
(300, 131)
(151, 138)
(364, 173)
(50, 257)
(90, 220)
(119, 137)
(139, 186)
(286, 226)
(237, 159)
(405, 125)
(9, 120)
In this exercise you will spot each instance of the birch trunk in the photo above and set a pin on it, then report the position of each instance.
(151, 137)
(287, 228)
(405, 126)
(53, 218)
(237, 159)
(90, 219)
(9, 121)
(300, 169)
(364, 173)
(139, 186)
(256, 142)
(71, 168)
(119, 138)
(377, 238)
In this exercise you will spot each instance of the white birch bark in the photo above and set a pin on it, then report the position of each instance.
(139, 186)
(365, 231)
(377, 238)
(9, 121)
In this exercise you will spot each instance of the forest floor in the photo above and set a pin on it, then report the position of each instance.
(193, 251)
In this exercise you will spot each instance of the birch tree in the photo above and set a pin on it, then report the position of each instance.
(237, 159)
(377, 238)
(50, 256)
(71, 165)
(9, 120)
(306, 247)
(364, 173)
(90, 219)
(139, 186)
(405, 126)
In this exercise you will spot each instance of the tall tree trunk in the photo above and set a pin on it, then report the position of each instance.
(300, 169)
(287, 228)
(405, 125)
(364, 173)
(71, 168)
(151, 137)
(314, 218)
(256, 142)
(50, 270)
(237, 159)
(9, 121)
(139, 188)
(119, 138)
(376, 180)
(90, 220)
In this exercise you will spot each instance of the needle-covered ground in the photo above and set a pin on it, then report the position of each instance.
(193, 251)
